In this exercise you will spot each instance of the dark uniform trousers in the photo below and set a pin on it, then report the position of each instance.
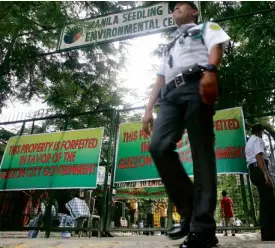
(179, 109)
(267, 203)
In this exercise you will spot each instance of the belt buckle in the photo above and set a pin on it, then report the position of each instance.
(179, 80)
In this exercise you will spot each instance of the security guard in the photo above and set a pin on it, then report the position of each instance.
(187, 83)
(258, 161)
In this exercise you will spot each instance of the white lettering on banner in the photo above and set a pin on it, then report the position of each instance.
(140, 184)
(135, 22)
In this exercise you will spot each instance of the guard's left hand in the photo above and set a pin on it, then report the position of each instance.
(209, 87)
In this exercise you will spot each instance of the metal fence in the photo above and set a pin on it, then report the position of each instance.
(23, 210)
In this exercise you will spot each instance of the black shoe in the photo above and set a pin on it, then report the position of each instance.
(268, 238)
(193, 240)
(108, 235)
(214, 241)
(180, 230)
(267, 235)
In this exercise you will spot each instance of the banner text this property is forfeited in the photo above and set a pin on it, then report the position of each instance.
(73, 153)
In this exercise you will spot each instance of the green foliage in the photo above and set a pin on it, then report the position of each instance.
(247, 74)
(74, 81)
(4, 137)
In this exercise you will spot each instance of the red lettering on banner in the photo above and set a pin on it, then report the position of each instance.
(63, 170)
(230, 152)
(44, 147)
(93, 143)
(56, 157)
(37, 147)
(143, 135)
(130, 136)
(145, 146)
(69, 156)
(179, 144)
(185, 156)
(134, 162)
(22, 160)
(74, 169)
(14, 150)
(44, 158)
(56, 146)
(79, 144)
(227, 124)
(33, 171)
(20, 173)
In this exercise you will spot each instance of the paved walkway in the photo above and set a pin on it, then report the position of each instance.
(138, 241)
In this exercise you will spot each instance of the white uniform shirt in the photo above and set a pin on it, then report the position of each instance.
(254, 146)
(192, 51)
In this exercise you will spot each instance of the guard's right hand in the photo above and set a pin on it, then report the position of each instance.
(268, 181)
(148, 122)
(209, 87)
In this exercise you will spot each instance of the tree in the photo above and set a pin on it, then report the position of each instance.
(71, 81)
(247, 74)
(4, 137)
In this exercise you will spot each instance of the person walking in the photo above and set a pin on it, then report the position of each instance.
(187, 84)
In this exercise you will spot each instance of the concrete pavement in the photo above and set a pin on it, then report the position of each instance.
(248, 240)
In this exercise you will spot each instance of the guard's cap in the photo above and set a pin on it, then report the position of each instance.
(257, 128)
(172, 4)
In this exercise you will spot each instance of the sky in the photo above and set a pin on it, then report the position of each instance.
(139, 73)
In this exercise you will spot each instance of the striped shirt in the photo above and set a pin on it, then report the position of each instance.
(189, 51)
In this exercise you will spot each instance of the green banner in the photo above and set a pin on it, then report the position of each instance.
(150, 193)
(134, 162)
(52, 161)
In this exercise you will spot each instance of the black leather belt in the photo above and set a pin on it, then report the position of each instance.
(253, 165)
(190, 76)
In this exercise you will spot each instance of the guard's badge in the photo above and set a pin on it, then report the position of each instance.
(215, 27)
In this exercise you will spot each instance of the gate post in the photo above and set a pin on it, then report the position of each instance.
(112, 159)
(245, 207)
(252, 205)
(66, 123)
(32, 130)
(106, 204)
(22, 128)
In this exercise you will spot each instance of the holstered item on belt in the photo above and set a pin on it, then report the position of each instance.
(191, 75)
